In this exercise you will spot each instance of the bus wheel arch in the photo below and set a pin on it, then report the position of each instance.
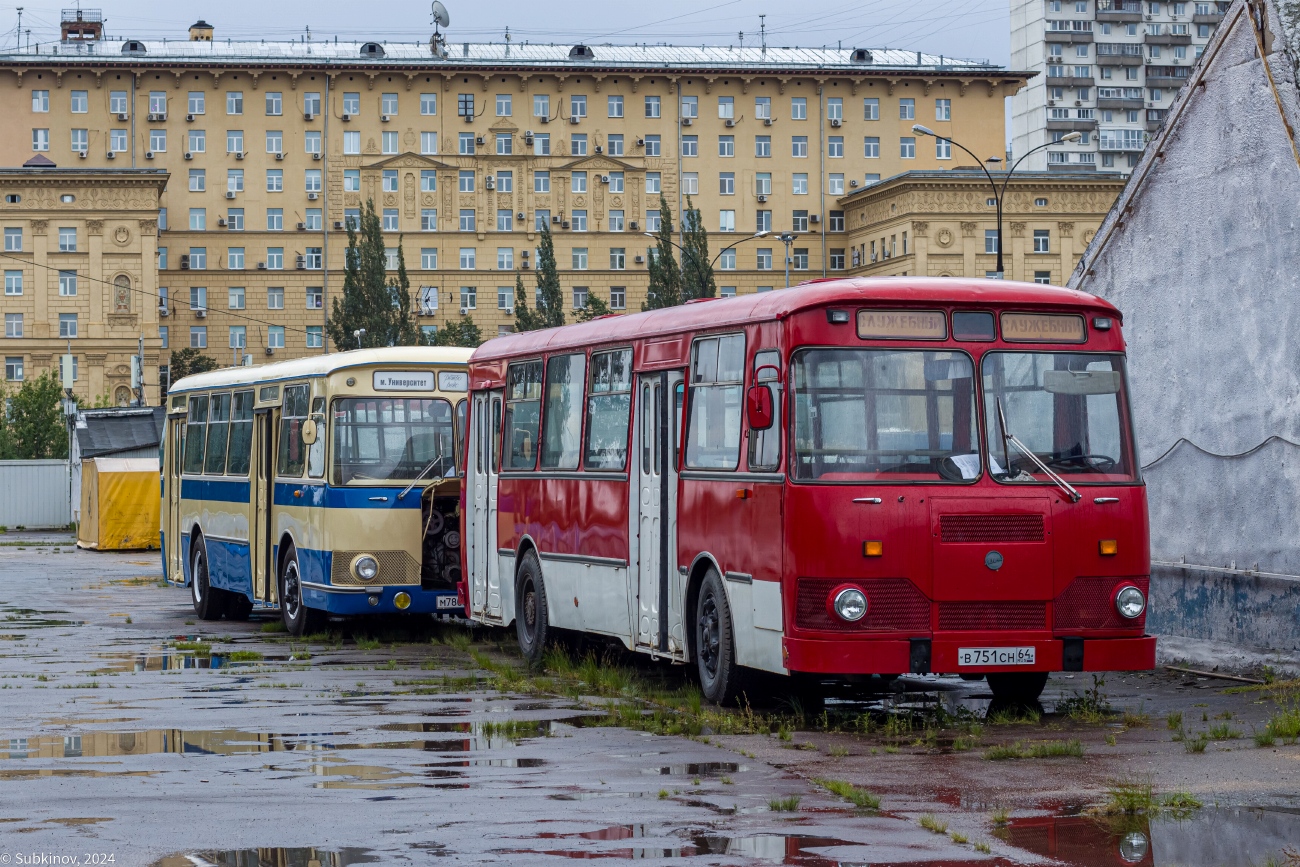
(298, 619)
(532, 611)
(694, 580)
(209, 602)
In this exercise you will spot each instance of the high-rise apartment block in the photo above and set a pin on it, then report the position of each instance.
(467, 150)
(1107, 69)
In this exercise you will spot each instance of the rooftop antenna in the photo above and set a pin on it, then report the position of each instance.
(762, 31)
(440, 19)
(20, 28)
(741, 35)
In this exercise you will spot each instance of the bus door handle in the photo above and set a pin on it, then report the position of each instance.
(1101, 501)
(875, 501)
(379, 499)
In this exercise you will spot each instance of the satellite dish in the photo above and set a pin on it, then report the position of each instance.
(440, 16)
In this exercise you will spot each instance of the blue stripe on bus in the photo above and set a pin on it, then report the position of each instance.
(323, 496)
(215, 490)
(229, 567)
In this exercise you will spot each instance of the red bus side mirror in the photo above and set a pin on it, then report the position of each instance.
(758, 407)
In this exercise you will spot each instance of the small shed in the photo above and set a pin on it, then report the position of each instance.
(119, 432)
(119, 504)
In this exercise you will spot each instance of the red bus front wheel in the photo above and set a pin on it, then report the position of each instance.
(721, 679)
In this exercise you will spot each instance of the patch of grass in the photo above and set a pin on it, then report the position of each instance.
(1265, 738)
(365, 642)
(273, 626)
(1285, 724)
(1130, 795)
(959, 839)
(243, 656)
(390, 665)
(663, 794)
(1136, 719)
(961, 745)
(1090, 706)
(838, 751)
(891, 750)
(1056, 749)
(514, 729)
(860, 798)
(1180, 801)
(788, 804)
(1110, 739)
(1000, 816)
(1223, 732)
(128, 619)
(982, 847)
(1002, 752)
(727, 781)
(930, 822)
(1196, 744)
(1014, 716)
(1174, 720)
(198, 648)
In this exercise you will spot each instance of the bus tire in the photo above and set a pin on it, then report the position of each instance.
(721, 678)
(532, 621)
(209, 603)
(298, 619)
(1017, 687)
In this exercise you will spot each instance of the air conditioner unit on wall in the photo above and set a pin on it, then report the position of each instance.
(729, 122)
(836, 122)
(686, 121)
(311, 197)
(767, 121)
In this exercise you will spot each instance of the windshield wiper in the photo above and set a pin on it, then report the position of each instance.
(426, 469)
(1009, 437)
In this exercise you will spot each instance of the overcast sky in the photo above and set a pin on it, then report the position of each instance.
(959, 28)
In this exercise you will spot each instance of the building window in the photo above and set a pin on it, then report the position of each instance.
(835, 184)
(467, 256)
(1042, 241)
(943, 108)
(690, 106)
(763, 260)
(727, 260)
(275, 180)
(313, 258)
(726, 145)
(800, 257)
(234, 298)
(238, 336)
(907, 109)
(235, 258)
(13, 282)
(40, 139)
(580, 258)
(690, 146)
(799, 146)
(615, 106)
(275, 258)
(727, 291)
(942, 149)
(14, 368)
(907, 147)
(13, 325)
(837, 259)
(467, 144)
(275, 337)
(13, 240)
(763, 219)
(67, 239)
(157, 102)
(541, 182)
(388, 142)
(691, 183)
(542, 145)
(67, 326)
(468, 220)
(652, 106)
(389, 181)
(617, 298)
(235, 219)
(990, 240)
(429, 220)
(726, 221)
(198, 141)
(727, 183)
(275, 219)
(468, 297)
(428, 259)
(616, 220)
(799, 221)
(652, 145)
(579, 297)
(835, 108)
(763, 146)
(67, 284)
(799, 108)
(541, 219)
(41, 101)
(315, 337)
(835, 147)
(871, 109)
(799, 184)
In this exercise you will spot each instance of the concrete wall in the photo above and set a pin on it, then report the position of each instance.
(34, 494)
(1200, 254)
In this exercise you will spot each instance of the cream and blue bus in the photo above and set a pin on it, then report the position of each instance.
(323, 486)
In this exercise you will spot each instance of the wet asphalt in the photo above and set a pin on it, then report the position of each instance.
(118, 748)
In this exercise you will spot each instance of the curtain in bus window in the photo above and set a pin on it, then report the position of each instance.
(888, 415)
(316, 451)
(241, 434)
(218, 431)
(391, 439)
(195, 434)
(292, 453)
(608, 408)
(765, 445)
(562, 428)
(717, 373)
(1065, 407)
(523, 413)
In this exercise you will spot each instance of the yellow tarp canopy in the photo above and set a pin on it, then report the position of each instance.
(119, 504)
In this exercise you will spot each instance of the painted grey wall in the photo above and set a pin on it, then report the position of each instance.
(1202, 255)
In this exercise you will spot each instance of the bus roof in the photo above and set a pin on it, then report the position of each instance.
(321, 365)
(757, 307)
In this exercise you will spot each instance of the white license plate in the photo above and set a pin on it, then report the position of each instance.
(453, 602)
(995, 656)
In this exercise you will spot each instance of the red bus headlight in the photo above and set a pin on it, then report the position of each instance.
(849, 603)
(1129, 602)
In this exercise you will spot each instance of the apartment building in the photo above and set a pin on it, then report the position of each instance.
(80, 246)
(467, 150)
(1107, 69)
(945, 224)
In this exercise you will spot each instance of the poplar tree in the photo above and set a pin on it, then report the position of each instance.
(463, 333)
(371, 300)
(593, 307)
(404, 331)
(665, 289)
(697, 270)
(550, 297)
(525, 319)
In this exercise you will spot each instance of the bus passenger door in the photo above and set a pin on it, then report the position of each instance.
(658, 619)
(483, 560)
(173, 457)
(259, 524)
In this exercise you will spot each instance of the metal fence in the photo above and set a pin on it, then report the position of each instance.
(34, 494)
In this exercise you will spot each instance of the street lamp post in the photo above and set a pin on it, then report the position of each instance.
(655, 235)
(787, 238)
(997, 192)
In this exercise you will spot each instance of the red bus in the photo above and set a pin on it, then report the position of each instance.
(850, 477)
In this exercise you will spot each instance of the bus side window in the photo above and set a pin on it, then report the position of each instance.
(765, 445)
(241, 434)
(462, 418)
(495, 445)
(218, 433)
(292, 454)
(195, 434)
(679, 402)
(316, 451)
(717, 393)
(523, 413)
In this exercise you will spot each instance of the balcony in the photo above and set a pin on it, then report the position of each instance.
(1119, 12)
(1072, 125)
(1168, 39)
(1069, 81)
(1155, 118)
(1066, 36)
(1119, 59)
(1119, 104)
(1169, 81)
(1207, 18)
(1071, 167)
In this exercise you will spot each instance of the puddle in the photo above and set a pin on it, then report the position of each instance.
(280, 857)
(770, 848)
(169, 661)
(701, 769)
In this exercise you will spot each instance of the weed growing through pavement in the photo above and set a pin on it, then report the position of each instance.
(784, 805)
(959, 839)
(982, 847)
(930, 822)
(1035, 750)
(1223, 732)
(1000, 816)
(860, 798)
(1090, 706)
(1195, 744)
(1174, 720)
(1130, 795)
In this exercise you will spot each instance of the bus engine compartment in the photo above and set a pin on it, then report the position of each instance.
(440, 542)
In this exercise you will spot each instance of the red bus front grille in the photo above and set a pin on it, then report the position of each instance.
(1089, 603)
(976, 616)
(991, 528)
(893, 604)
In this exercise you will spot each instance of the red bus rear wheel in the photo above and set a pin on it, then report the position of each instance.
(1018, 687)
(531, 615)
(721, 679)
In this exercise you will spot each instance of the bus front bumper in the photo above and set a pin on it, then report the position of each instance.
(895, 656)
(348, 601)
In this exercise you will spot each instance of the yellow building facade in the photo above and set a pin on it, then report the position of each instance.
(466, 149)
(945, 224)
(80, 276)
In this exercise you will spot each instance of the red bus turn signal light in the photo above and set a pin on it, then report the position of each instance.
(1108, 547)
(873, 549)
